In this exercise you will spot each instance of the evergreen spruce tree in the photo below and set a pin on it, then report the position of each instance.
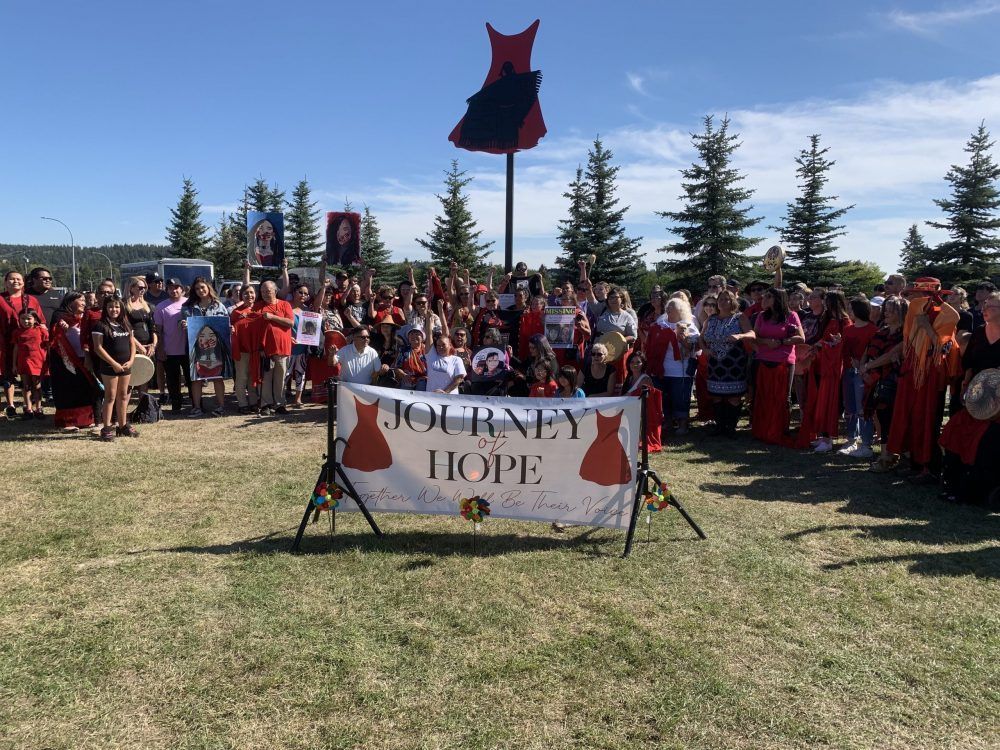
(186, 234)
(571, 234)
(226, 252)
(238, 219)
(619, 260)
(712, 223)
(374, 252)
(971, 212)
(810, 222)
(915, 257)
(302, 233)
(454, 237)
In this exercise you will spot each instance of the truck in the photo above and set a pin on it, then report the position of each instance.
(183, 269)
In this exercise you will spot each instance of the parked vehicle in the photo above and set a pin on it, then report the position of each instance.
(184, 269)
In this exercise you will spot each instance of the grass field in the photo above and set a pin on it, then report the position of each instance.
(148, 600)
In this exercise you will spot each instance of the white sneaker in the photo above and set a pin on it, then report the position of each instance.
(848, 450)
(862, 451)
(823, 446)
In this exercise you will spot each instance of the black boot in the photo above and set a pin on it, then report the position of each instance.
(734, 418)
(720, 411)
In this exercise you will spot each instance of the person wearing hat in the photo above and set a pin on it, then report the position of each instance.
(155, 290)
(173, 351)
(930, 356)
(971, 441)
(411, 364)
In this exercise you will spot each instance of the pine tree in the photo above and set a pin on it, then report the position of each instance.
(810, 222)
(302, 233)
(971, 220)
(186, 233)
(454, 237)
(373, 250)
(238, 219)
(619, 260)
(712, 224)
(571, 234)
(915, 257)
(226, 252)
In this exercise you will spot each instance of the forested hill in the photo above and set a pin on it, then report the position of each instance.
(90, 263)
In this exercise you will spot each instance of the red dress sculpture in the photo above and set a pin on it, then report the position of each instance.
(504, 116)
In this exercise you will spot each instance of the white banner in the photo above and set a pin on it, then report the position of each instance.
(567, 460)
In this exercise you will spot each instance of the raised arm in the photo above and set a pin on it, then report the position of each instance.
(284, 290)
(246, 272)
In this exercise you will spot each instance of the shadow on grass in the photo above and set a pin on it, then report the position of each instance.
(982, 563)
(432, 543)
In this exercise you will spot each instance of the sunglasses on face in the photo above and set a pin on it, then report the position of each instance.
(363, 338)
(139, 287)
(420, 302)
(44, 278)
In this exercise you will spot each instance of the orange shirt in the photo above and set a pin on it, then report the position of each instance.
(273, 339)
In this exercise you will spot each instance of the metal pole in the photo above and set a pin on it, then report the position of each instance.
(508, 251)
(72, 246)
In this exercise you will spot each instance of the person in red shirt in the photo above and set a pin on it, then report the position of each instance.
(545, 381)
(860, 431)
(246, 378)
(12, 301)
(821, 415)
(274, 339)
(31, 344)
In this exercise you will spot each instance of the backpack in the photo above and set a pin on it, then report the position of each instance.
(148, 410)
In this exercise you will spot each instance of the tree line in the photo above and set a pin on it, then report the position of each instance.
(713, 227)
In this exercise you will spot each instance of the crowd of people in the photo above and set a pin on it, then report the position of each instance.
(806, 366)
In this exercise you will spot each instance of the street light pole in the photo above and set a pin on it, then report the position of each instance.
(111, 268)
(72, 246)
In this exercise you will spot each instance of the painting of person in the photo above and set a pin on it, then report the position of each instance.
(343, 239)
(265, 239)
(210, 357)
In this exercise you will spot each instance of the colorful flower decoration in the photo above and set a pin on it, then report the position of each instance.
(326, 497)
(658, 499)
(474, 509)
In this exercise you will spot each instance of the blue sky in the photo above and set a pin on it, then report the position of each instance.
(109, 105)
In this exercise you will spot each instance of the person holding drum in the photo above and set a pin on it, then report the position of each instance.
(140, 317)
(617, 319)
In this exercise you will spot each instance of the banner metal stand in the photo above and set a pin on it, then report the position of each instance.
(333, 473)
(645, 477)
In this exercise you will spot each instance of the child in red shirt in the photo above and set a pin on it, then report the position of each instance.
(545, 381)
(31, 345)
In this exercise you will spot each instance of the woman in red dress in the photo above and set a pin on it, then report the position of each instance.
(821, 416)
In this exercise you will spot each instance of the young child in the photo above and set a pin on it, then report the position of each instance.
(545, 384)
(31, 343)
(566, 381)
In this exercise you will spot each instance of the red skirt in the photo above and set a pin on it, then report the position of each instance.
(821, 414)
(654, 420)
(706, 411)
(770, 403)
(915, 417)
(962, 435)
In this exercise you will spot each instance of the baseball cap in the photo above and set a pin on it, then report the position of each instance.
(151, 277)
(733, 283)
(174, 281)
(482, 289)
(341, 275)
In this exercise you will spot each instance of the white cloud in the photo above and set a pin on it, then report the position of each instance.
(892, 146)
(636, 83)
(928, 22)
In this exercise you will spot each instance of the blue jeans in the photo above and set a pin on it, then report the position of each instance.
(854, 405)
(676, 396)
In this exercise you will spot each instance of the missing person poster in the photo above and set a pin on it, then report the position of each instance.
(559, 323)
(343, 239)
(209, 348)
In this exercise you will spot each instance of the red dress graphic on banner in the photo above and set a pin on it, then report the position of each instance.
(366, 447)
(505, 116)
(606, 462)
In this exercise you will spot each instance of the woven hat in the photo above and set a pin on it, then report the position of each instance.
(926, 284)
(615, 343)
(982, 399)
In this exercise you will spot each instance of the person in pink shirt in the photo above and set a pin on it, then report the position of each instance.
(776, 330)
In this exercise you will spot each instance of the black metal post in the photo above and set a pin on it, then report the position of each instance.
(642, 475)
(508, 247)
